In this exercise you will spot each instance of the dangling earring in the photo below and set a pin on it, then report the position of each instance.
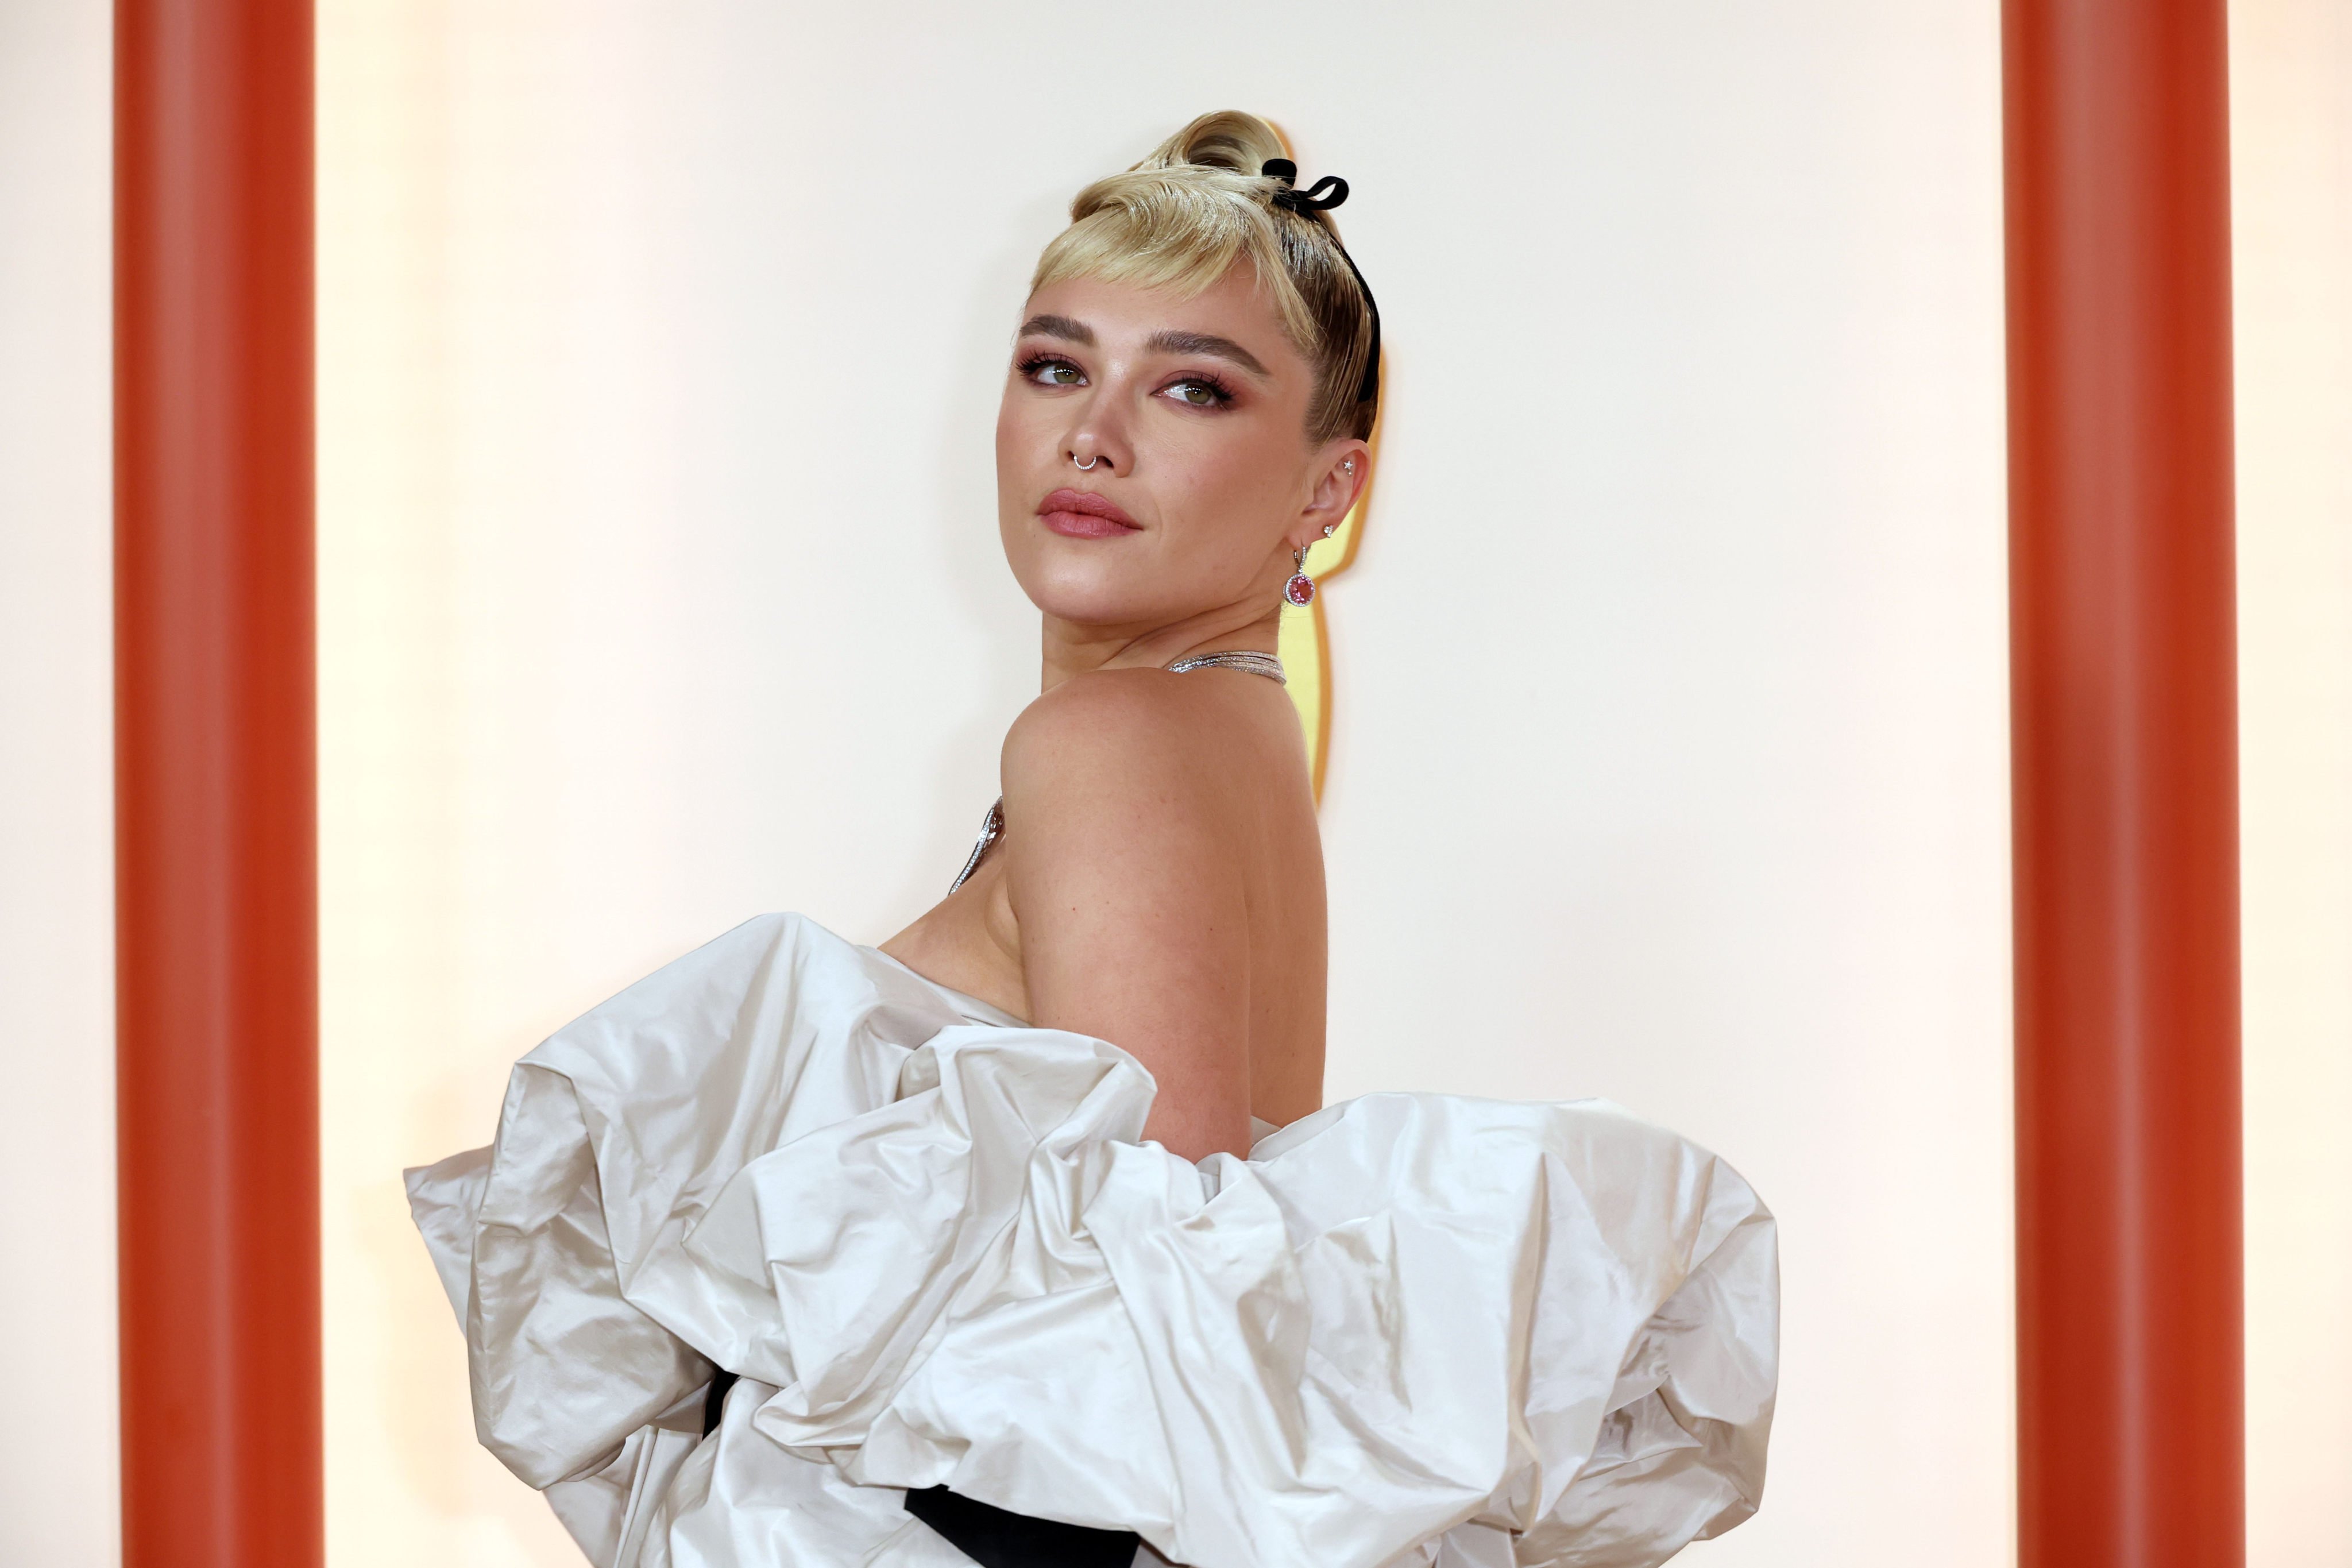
(1300, 589)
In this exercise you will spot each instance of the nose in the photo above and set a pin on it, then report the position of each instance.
(1098, 441)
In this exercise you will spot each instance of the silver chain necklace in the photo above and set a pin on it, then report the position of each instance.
(1246, 660)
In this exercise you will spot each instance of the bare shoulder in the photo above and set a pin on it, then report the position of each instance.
(1165, 886)
(1151, 763)
(1118, 726)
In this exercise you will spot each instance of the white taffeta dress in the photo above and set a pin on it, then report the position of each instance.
(1409, 1330)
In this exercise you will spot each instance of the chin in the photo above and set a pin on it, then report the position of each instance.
(1098, 592)
(1098, 604)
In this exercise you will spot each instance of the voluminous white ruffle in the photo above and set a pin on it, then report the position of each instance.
(1409, 1330)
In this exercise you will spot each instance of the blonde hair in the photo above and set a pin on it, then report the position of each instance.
(1184, 216)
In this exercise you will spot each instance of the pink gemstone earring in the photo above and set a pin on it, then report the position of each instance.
(1300, 589)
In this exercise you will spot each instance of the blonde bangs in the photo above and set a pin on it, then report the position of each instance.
(1147, 230)
(1199, 205)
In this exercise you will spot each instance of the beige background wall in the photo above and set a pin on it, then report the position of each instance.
(56, 832)
(659, 349)
(660, 355)
(2292, 150)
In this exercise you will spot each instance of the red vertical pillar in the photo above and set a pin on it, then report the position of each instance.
(215, 833)
(2130, 1318)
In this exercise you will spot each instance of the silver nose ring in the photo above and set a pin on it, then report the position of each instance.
(1088, 464)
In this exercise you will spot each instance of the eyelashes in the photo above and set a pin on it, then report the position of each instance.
(1218, 393)
(1198, 390)
(1036, 368)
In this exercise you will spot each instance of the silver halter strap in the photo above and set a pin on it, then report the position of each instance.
(1247, 661)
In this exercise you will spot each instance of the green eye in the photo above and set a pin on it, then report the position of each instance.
(1056, 372)
(1198, 393)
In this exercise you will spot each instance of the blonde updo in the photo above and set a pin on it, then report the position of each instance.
(1180, 219)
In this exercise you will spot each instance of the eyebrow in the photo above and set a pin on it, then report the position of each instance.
(1167, 343)
(1174, 343)
(1059, 327)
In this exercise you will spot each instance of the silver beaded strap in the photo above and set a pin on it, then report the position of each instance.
(991, 828)
(1249, 661)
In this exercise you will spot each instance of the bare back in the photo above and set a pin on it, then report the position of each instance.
(1158, 885)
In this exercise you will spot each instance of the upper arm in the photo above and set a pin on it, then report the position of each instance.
(1127, 885)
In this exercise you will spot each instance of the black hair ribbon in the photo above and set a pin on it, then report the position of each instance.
(1320, 198)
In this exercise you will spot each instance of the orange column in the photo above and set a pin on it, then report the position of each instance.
(216, 838)
(2131, 1424)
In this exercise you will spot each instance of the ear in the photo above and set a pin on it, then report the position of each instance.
(1344, 467)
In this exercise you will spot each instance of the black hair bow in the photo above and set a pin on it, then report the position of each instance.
(1320, 198)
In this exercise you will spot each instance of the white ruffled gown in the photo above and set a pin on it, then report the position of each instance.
(1409, 1330)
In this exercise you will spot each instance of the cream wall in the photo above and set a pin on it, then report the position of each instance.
(56, 876)
(660, 349)
(2292, 165)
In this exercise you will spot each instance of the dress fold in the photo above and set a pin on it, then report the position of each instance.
(1407, 1329)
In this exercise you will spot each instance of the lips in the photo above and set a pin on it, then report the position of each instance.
(1082, 514)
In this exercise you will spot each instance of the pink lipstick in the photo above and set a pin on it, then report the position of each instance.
(1081, 514)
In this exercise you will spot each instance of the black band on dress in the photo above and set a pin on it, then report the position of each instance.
(989, 1536)
(996, 1539)
(714, 1402)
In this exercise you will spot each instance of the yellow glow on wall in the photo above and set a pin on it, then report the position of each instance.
(1305, 640)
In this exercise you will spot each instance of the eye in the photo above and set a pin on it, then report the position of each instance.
(1197, 391)
(1047, 372)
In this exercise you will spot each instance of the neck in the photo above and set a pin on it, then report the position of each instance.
(1073, 648)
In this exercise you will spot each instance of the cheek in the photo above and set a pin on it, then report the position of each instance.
(1011, 430)
(1026, 447)
(1236, 479)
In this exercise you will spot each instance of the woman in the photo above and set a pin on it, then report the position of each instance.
(984, 1245)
